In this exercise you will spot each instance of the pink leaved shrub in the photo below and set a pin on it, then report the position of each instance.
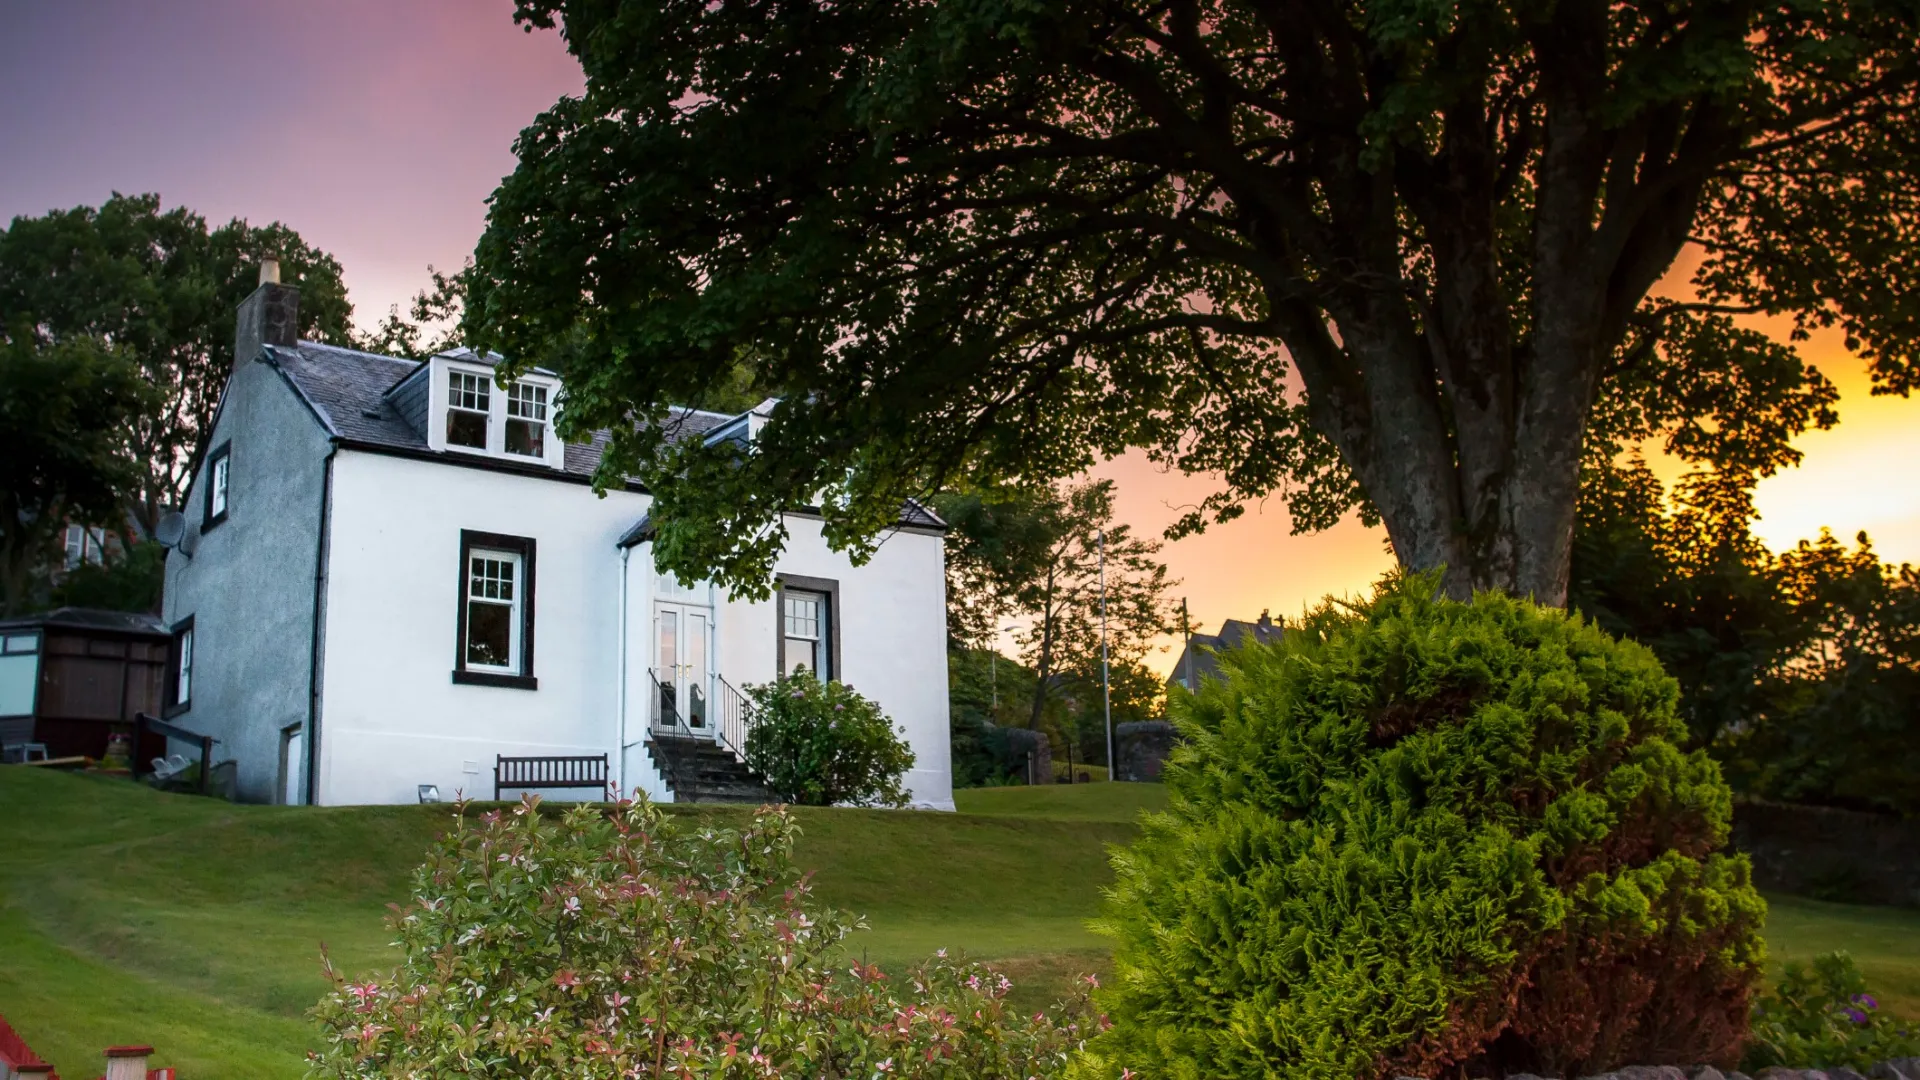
(624, 942)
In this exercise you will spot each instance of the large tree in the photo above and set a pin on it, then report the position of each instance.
(160, 287)
(1381, 255)
(64, 407)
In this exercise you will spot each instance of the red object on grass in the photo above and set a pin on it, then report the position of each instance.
(19, 1056)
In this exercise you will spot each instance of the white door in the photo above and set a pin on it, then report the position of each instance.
(680, 669)
(296, 764)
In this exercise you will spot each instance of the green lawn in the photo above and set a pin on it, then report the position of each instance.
(130, 916)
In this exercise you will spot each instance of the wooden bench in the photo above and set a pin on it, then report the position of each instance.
(549, 772)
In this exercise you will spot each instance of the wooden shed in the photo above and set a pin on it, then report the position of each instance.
(71, 678)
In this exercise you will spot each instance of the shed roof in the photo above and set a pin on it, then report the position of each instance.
(78, 618)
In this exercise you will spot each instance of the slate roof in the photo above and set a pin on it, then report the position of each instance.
(350, 392)
(1201, 649)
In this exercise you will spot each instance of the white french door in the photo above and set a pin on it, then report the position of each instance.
(681, 672)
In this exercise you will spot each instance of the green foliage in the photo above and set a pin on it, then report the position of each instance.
(625, 944)
(1823, 1017)
(162, 287)
(130, 580)
(1799, 671)
(1381, 257)
(1419, 835)
(1846, 716)
(65, 407)
(823, 744)
(980, 753)
(998, 546)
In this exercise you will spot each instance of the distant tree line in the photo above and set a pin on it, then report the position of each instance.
(1799, 671)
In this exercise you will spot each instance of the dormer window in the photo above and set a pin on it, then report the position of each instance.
(468, 400)
(509, 421)
(527, 420)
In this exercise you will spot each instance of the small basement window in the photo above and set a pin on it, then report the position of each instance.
(468, 400)
(527, 419)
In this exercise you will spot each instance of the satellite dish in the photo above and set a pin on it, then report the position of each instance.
(171, 529)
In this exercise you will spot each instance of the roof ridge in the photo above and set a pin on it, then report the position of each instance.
(303, 343)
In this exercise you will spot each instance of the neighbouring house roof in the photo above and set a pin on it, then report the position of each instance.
(89, 619)
(1201, 649)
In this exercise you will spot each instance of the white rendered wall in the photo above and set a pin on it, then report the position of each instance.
(391, 716)
(893, 639)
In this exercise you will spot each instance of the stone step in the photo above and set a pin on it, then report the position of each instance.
(699, 770)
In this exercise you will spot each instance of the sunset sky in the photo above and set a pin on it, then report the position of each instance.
(377, 129)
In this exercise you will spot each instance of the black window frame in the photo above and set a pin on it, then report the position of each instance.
(826, 587)
(525, 547)
(208, 519)
(182, 630)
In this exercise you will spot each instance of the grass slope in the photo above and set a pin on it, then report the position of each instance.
(131, 916)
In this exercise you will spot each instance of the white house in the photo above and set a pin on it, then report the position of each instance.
(394, 574)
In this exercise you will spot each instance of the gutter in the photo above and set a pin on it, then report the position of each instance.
(319, 625)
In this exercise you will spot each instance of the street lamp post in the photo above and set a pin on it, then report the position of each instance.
(1106, 689)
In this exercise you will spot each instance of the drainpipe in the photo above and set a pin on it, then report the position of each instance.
(620, 725)
(312, 785)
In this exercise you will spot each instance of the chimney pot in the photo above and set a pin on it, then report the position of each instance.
(127, 1062)
(271, 316)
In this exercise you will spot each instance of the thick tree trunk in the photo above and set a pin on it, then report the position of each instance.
(1041, 671)
(1460, 413)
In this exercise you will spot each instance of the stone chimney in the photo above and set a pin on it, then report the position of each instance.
(128, 1062)
(271, 316)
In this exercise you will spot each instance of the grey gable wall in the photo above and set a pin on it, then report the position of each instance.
(250, 583)
(409, 399)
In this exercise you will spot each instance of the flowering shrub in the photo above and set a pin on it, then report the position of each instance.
(821, 744)
(1823, 1017)
(622, 944)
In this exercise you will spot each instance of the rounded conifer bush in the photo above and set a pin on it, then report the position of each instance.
(1418, 836)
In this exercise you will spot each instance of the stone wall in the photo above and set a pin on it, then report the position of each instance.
(1033, 751)
(1141, 747)
(1829, 854)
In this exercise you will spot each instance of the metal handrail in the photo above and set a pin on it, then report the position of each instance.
(737, 717)
(666, 708)
(144, 723)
